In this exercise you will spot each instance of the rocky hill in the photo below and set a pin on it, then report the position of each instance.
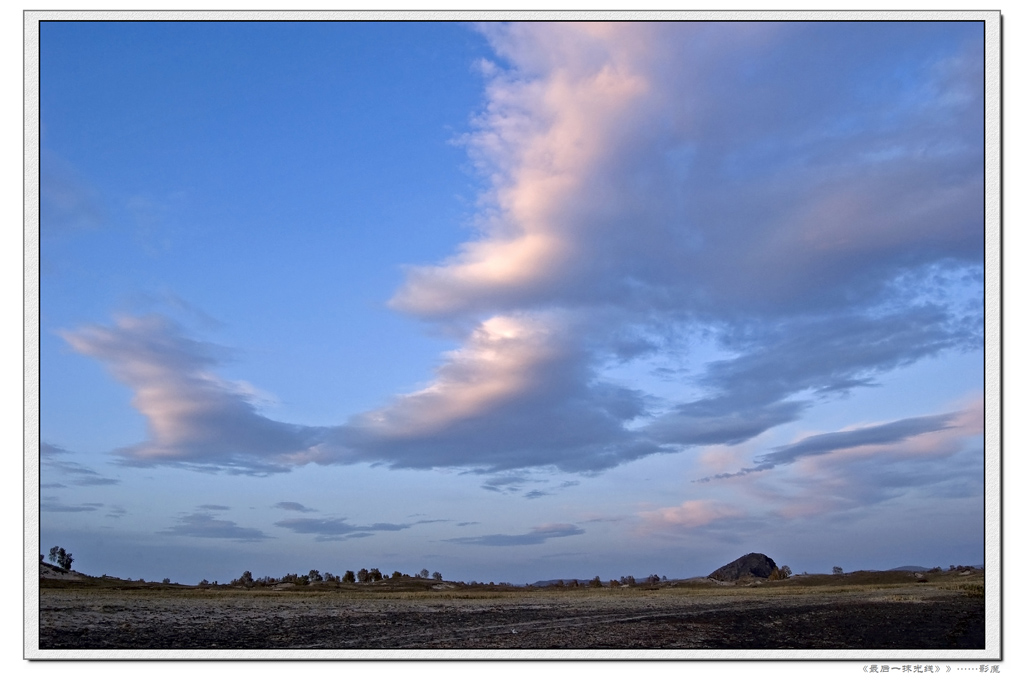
(753, 564)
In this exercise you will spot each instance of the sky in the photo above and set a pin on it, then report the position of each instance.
(510, 302)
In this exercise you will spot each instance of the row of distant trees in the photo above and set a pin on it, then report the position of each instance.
(596, 582)
(314, 576)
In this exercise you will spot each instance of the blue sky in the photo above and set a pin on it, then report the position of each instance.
(510, 302)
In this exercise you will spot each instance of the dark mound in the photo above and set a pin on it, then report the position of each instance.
(754, 564)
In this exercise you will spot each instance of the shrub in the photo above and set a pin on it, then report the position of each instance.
(437, 576)
(837, 571)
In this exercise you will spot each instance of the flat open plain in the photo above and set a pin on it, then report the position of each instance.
(818, 612)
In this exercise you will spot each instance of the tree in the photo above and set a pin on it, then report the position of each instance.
(424, 573)
(314, 576)
(837, 571)
(244, 580)
(349, 577)
(363, 575)
(653, 579)
(436, 576)
(61, 557)
(396, 574)
(595, 582)
(166, 581)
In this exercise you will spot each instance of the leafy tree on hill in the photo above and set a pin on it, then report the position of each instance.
(61, 557)
(436, 576)
(349, 577)
(363, 575)
(424, 573)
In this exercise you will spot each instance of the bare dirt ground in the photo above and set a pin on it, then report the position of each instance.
(828, 614)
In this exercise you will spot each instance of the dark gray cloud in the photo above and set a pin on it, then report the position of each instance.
(51, 504)
(336, 529)
(533, 537)
(205, 525)
(536, 493)
(293, 506)
(46, 450)
(116, 512)
(210, 506)
(826, 356)
(54, 460)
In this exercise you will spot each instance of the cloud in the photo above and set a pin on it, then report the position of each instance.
(67, 203)
(51, 504)
(535, 536)
(75, 474)
(616, 179)
(689, 515)
(723, 197)
(805, 198)
(336, 529)
(871, 436)
(205, 525)
(520, 394)
(293, 506)
(117, 512)
(213, 507)
(194, 418)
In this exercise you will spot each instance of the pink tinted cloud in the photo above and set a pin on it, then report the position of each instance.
(688, 515)
(193, 417)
